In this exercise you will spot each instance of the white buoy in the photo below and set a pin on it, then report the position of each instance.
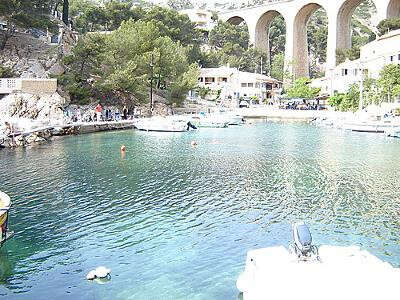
(99, 272)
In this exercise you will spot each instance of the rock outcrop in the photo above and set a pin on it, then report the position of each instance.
(31, 57)
(28, 111)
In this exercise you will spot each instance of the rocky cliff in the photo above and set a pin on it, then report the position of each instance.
(28, 111)
(34, 57)
(31, 57)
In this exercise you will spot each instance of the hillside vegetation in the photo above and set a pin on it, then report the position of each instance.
(124, 46)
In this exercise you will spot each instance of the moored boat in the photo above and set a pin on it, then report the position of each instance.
(209, 122)
(5, 205)
(393, 132)
(371, 126)
(160, 124)
(305, 272)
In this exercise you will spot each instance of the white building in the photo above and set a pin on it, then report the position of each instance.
(381, 52)
(202, 18)
(234, 84)
(373, 58)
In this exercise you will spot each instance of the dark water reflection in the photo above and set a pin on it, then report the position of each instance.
(175, 222)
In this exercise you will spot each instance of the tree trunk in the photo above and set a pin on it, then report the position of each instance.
(5, 35)
(3, 42)
(55, 13)
(65, 15)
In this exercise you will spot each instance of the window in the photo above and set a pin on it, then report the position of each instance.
(244, 84)
(399, 57)
(209, 80)
(224, 79)
(250, 84)
(257, 85)
(344, 72)
(200, 79)
(392, 58)
(355, 72)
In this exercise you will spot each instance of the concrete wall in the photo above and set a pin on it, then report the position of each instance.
(39, 86)
(296, 14)
(28, 85)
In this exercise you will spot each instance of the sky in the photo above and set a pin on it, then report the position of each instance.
(210, 3)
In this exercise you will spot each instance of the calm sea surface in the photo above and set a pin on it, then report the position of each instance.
(175, 222)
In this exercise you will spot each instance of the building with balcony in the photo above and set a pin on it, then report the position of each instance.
(374, 56)
(232, 84)
(202, 18)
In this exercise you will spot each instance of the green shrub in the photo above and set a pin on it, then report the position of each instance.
(388, 25)
(6, 72)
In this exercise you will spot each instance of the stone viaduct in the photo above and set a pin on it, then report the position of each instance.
(296, 14)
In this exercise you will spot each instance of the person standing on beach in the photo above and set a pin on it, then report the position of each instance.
(98, 110)
(9, 131)
(125, 113)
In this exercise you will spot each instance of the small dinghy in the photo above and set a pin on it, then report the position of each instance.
(5, 205)
(100, 275)
(307, 272)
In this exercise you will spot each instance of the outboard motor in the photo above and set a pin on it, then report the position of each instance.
(302, 241)
(190, 125)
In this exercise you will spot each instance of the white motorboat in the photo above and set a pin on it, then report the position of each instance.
(368, 126)
(305, 272)
(160, 124)
(365, 122)
(217, 119)
(393, 132)
(209, 121)
(228, 117)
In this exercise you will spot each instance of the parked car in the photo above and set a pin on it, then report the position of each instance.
(3, 26)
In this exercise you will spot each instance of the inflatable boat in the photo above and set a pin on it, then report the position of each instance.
(5, 205)
(304, 271)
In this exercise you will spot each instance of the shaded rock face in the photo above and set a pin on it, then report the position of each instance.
(30, 57)
(27, 110)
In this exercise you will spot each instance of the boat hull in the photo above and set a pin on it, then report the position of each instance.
(343, 272)
(163, 125)
(393, 132)
(5, 205)
(367, 127)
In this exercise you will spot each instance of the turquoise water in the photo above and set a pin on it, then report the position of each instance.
(175, 222)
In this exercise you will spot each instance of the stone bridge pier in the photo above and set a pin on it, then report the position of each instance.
(296, 14)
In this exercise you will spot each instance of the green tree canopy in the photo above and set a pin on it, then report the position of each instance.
(302, 89)
(277, 66)
(226, 34)
(389, 82)
(388, 25)
(89, 16)
(174, 25)
(348, 101)
(24, 14)
(351, 54)
(117, 66)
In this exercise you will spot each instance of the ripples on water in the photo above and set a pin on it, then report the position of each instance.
(175, 222)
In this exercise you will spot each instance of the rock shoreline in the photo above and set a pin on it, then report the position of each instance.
(41, 135)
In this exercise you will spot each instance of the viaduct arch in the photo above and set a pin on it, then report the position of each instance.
(296, 14)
